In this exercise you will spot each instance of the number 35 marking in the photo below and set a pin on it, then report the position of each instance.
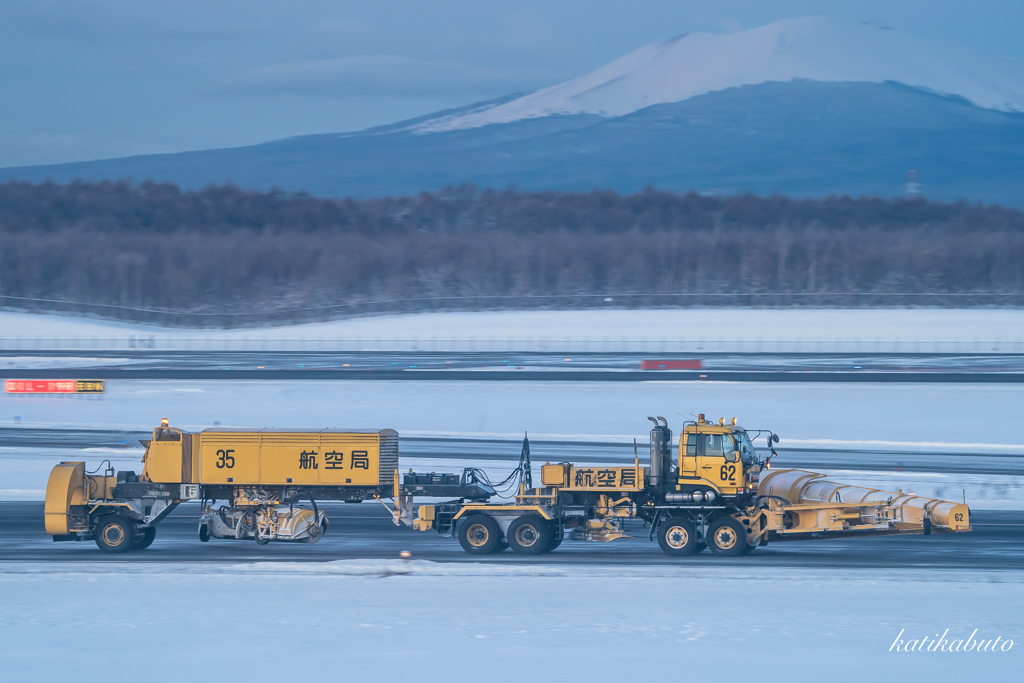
(727, 473)
(225, 459)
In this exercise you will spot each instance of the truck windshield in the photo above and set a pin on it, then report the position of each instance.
(746, 449)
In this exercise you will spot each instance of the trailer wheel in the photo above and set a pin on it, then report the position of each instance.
(115, 534)
(677, 537)
(148, 534)
(321, 529)
(204, 533)
(479, 535)
(260, 540)
(727, 537)
(529, 535)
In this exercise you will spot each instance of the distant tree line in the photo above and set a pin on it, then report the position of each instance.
(225, 256)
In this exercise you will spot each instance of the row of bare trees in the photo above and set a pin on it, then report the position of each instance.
(225, 256)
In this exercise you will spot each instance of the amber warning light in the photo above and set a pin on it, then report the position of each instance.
(53, 386)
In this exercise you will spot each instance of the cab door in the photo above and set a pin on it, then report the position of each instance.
(718, 463)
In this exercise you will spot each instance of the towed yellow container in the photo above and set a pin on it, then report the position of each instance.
(272, 457)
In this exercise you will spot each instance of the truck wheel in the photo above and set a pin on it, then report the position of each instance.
(701, 547)
(479, 535)
(726, 537)
(115, 534)
(677, 537)
(148, 534)
(204, 533)
(748, 549)
(260, 540)
(501, 547)
(556, 537)
(529, 535)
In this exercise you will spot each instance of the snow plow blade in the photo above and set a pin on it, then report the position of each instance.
(802, 502)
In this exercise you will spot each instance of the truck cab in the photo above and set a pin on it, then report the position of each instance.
(719, 457)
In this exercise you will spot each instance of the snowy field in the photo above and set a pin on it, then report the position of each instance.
(958, 418)
(361, 620)
(741, 330)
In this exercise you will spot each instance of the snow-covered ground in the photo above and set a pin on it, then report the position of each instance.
(808, 48)
(707, 330)
(961, 417)
(363, 620)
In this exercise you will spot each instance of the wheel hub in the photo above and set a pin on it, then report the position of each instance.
(526, 535)
(676, 537)
(477, 535)
(725, 538)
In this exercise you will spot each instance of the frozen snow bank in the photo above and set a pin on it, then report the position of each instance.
(640, 331)
(432, 622)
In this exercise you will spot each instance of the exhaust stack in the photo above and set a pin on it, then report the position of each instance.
(661, 451)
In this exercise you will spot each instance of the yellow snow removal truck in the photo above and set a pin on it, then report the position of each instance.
(716, 493)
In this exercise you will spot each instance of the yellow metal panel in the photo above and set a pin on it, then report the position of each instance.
(290, 458)
(350, 459)
(163, 461)
(553, 475)
(687, 463)
(485, 507)
(65, 481)
(229, 457)
(605, 479)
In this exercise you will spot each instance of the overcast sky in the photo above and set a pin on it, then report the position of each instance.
(87, 79)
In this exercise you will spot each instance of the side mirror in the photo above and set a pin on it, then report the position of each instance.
(775, 438)
(730, 456)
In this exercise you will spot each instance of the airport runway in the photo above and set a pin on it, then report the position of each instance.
(505, 453)
(366, 532)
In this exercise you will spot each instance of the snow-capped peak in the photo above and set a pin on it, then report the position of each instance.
(812, 48)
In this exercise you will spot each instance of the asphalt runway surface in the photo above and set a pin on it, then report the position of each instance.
(366, 532)
(505, 453)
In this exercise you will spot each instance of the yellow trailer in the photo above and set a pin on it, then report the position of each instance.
(262, 477)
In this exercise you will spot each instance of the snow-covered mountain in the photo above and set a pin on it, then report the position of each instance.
(810, 48)
(805, 107)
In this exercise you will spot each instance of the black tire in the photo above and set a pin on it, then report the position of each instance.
(260, 540)
(115, 534)
(556, 537)
(726, 537)
(204, 533)
(748, 549)
(701, 547)
(677, 537)
(501, 547)
(529, 535)
(146, 539)
(479, 535)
